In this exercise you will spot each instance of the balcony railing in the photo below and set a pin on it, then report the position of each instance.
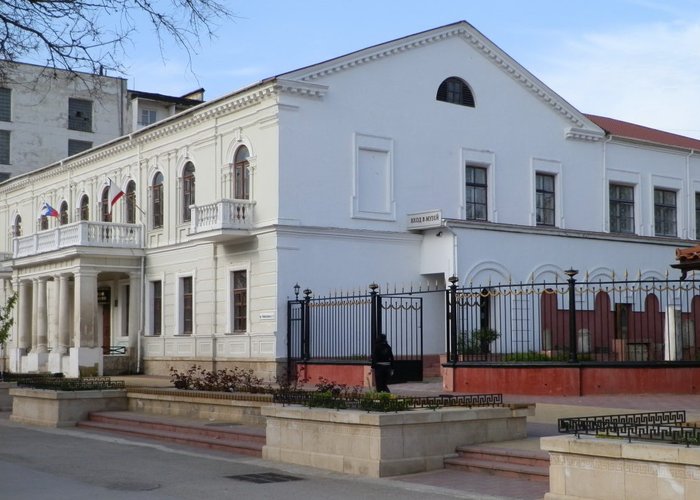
(83, 233)
(222, 215)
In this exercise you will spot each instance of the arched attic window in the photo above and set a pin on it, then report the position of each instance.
(456, 91)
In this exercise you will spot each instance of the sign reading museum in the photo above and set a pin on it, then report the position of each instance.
(425, 220)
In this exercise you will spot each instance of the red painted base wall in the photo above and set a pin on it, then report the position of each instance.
(350, 375)
(572, 381)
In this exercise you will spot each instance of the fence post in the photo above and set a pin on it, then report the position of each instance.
(375, 322)
(573, 358)
(306, 327)
(452, 321)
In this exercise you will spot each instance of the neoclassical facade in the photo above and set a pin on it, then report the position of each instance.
(430, 156)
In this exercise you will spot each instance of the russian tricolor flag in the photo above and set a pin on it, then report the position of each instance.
(48, 211)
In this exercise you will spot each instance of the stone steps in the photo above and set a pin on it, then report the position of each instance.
(507, 462)
(220, 436)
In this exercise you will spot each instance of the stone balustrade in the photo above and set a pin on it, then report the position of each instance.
(82, 233)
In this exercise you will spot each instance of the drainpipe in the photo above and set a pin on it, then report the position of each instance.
(141, 311)
(689, 198)
(451, 272)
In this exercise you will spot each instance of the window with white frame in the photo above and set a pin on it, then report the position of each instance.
(147, 117)
(156, 307)
(665, 212)
(544, 203)
(187, 191)
(476, 191)
(241, 174)
(157, 201)
(239, 301)
(621, 208)
(186, 305)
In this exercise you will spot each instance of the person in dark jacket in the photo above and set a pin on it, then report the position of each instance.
(383, 359)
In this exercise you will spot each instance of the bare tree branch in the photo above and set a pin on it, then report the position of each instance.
(88, 36)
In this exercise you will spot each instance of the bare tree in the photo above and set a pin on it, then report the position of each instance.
(89, 35)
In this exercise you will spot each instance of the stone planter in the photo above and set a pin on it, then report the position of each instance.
(612, 469)
(238, 408)
(49, 408)
(384, 444)
(5, 398)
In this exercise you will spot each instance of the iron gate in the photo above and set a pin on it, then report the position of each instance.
(342, 329)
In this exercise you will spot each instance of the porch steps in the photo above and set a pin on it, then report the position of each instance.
(508, 462)
(222, 436)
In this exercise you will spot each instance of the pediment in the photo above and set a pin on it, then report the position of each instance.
(581, 128)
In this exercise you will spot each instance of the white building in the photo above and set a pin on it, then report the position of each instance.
(47, 114)
(421, 158)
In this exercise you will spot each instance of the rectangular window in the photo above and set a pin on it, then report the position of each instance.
(187, 316)
(664, 212)
(697, 216)
(157, 304)
(240, 301)
(5, 105)
(148, 116)
(80, 115)
(5, 147)
(476, 193)
(544, 188)
(75, 147)
(621, 209)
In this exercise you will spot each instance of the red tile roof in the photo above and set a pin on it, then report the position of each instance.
(637, 132)
(691, 254)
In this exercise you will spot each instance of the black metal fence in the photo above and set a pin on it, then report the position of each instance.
(343, 328)
(669, 426)
(625, 321)
(604, 321)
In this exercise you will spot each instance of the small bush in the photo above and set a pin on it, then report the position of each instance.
(197, 378)
(383, 402)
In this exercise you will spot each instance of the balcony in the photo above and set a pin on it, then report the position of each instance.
(77, 234)
(222, 220)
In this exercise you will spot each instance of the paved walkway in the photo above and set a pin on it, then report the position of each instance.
(547, 410)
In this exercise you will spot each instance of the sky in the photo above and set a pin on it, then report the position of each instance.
(634, 60)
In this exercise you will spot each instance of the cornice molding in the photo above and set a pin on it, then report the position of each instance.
(586, 135)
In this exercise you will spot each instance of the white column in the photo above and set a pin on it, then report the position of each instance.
(65, 303)
(41, 318)
(86, 355)
(134, 307)
(60, 332)
(38, 356)
(24, 340)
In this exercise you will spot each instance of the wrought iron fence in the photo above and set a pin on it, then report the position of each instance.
(388, 403)
(69, 384)
(669, 426)
(604, 321)
(344, 327)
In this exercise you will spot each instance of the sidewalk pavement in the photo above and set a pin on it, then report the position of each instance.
(548, 409)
